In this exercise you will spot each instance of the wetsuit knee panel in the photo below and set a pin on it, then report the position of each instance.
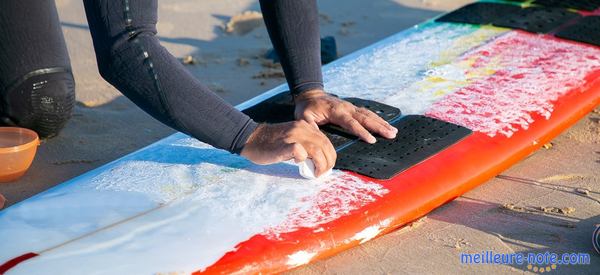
(42, 101)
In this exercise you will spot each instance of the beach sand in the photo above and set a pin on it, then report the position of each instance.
(548, 202)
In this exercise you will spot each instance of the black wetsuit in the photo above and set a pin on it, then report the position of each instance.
(37, 88)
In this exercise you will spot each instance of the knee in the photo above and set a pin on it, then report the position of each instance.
(42, 101)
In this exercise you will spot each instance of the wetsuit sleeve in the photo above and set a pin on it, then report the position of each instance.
(293, 27)
(131, 58)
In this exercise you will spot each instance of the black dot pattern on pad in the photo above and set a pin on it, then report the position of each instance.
(418, 138)
(531, 19)
(586, 5)
(586, 30)
(536, 19)
(479, 13)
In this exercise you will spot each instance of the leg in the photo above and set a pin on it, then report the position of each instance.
(37, 89)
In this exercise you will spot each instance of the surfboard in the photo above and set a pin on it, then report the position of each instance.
(180, 206)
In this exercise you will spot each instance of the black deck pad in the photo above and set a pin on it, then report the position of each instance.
(280, 108)
(586, 30)
(537, 19)
(418, 138)
(277, 109)
(479, 13)
(584, 5)
(531, 19)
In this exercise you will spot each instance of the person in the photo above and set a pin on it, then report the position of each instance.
(37, 86)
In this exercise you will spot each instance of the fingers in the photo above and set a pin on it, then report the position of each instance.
(374, 123)
(306, 141)
(318, 158)
(317, 146)
(307, 117)
(355, 127)
(299, 154)
(322, 109)
(321, 151)
(297, 140)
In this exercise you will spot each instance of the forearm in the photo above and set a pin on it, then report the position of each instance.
(293, 27)
(130, 57)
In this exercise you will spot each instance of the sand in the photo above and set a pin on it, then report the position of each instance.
(106, 126)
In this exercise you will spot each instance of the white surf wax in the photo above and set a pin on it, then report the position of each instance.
(306, 169)
(525, 75)
(413, 72)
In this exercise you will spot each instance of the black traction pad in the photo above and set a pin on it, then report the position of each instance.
(586, 30)
(277, 109)
(531, 19)
(419, 137)
(584, 5)
(479, 13)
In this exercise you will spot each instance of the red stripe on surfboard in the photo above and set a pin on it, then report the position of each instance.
(15, 261)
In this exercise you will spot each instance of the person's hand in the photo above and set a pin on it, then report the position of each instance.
(317, 108)
(298, 140)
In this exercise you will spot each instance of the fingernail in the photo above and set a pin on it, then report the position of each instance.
(372, 139)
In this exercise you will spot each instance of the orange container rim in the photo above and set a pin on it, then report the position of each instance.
(31, 140)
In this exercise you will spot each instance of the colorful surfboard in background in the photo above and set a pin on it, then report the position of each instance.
(182, 206)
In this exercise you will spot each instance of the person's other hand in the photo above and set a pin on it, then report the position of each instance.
(317, 107)
(298, 140)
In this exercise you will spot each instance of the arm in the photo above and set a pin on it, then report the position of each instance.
(293, 27)
(131, 59)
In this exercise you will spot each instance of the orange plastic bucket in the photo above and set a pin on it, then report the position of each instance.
(17, 150)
